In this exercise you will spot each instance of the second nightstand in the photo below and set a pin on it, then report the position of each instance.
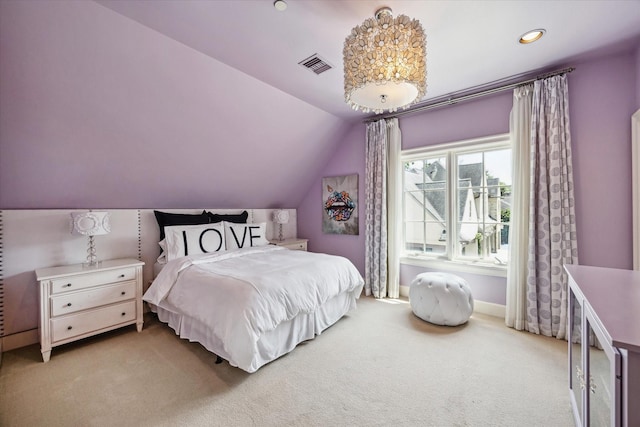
(295, 243)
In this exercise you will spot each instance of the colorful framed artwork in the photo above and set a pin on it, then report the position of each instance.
(340, 205)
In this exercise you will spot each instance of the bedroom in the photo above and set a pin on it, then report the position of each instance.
(72, 135)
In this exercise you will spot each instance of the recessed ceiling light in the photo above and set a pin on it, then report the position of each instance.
(531, 36)
(280, 5)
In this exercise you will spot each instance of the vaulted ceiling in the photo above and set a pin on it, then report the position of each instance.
(469, 43)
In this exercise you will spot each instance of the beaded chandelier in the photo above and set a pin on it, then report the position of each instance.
(385, 64)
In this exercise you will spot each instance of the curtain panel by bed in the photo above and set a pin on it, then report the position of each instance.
(383, 143)
(552, 228)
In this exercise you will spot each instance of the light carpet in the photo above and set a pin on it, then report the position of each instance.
(378, 366)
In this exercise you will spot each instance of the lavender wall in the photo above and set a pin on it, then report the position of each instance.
(347, 160)
(99, 111)
(601, 104)
(484, 288)
(482, 117)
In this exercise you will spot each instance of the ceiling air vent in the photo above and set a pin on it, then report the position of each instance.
(315, 64)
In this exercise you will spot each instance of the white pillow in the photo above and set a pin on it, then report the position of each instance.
(245, 235)
(162, 259)
(183, 240)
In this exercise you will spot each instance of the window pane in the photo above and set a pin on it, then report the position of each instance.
(468, 239)
(498, 166)
(469, 204)
(470, 159)
(502, 253)
(414, 236)
(425, 237)
(484, 190)
(425, 205)
(435, 169)
(415, 165)
(436, 237)
(499, 173)
(435, 206)
(414, 206)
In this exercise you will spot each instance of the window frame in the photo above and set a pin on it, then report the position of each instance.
(450, 151)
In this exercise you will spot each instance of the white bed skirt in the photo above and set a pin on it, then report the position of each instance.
(271, 345)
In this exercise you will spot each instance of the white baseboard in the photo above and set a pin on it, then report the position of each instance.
(404, 291)
(489, 308)
(21, 339)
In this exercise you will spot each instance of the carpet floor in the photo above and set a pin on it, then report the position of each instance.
(378, 366)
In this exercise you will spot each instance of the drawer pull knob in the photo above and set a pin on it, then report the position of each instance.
(121, 276)
(68, 285)
(69, 328)
(68, 304)
(123, 292)
(124, 314)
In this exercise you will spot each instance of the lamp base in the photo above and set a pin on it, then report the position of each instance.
(280, 233)
(94, 264)
(92, 259)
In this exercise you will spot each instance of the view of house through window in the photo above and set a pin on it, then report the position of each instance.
(456, 203)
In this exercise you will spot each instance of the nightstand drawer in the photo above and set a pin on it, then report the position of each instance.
(70, 302)
(294, 244)
(299, 246)
(81, 323)
(86, 280)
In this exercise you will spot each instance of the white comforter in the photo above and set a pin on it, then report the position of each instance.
(242, 294)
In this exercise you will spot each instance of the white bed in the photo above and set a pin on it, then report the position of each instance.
(253, 305)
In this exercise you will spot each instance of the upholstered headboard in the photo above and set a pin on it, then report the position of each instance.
(32, 239)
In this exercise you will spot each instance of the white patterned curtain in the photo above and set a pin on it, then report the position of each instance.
(381, 209)
(520, 130)
(552, 228)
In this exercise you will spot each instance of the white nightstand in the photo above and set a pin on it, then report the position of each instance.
(295, 244)
(78, 301)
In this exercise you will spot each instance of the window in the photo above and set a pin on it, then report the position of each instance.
(456, 201)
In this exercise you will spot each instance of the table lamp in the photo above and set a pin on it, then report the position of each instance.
(90, 224)
(280, 217)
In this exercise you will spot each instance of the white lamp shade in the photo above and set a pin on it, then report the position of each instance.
(90, 223)
(281, 216)
(389, 96)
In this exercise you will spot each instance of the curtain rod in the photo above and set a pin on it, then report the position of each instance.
(453, 99)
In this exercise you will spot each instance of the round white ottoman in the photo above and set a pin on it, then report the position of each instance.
(441, 298)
